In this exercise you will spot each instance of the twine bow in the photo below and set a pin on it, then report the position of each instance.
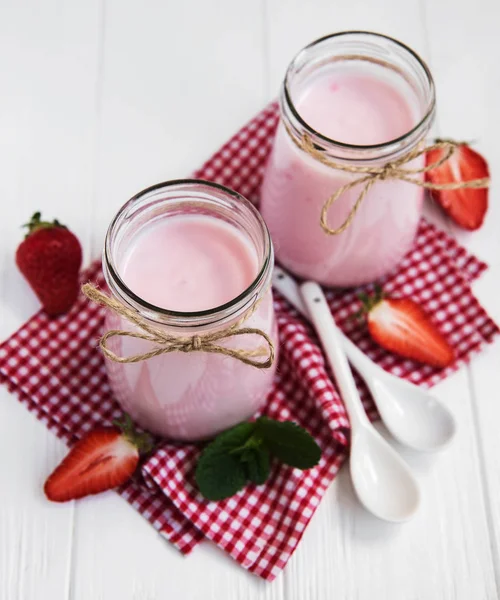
(166, 343)
(391, 170)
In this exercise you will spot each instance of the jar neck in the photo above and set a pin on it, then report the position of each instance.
(386, 57)
(181, 197)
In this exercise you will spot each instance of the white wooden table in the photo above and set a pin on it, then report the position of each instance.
(100, 98)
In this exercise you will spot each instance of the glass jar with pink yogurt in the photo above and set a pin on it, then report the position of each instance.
(362, 99)
(192, 258)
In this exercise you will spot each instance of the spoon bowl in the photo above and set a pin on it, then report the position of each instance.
(413, 416)
(381, 478)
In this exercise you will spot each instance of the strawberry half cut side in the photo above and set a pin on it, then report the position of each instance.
(103, 459)
(401, 326)
(466, 206)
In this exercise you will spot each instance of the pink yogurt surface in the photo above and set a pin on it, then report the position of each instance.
(190, 263)
(352, 106)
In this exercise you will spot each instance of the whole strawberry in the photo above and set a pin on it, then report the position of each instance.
(50, 258)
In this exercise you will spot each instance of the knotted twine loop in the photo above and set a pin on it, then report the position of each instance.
(391, 170)
(166, 343)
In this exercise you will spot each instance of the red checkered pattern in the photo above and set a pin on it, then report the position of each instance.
(56, 370)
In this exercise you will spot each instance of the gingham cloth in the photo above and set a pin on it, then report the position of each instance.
(56, 370)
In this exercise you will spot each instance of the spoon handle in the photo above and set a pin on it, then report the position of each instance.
(327, 331)
(289, 288)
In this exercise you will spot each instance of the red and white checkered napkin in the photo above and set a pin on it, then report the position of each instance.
(55, 368)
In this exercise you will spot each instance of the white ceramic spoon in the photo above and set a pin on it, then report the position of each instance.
(382, 481)
(412, 414)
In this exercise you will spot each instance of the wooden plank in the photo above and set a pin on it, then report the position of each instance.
(293, 24)
(464, 56)
(35, 536)
(442, 553)
(467, 64)
(118, 554)
(179, 79)
(48, 59)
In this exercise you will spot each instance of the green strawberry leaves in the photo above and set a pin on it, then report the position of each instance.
(243, 453)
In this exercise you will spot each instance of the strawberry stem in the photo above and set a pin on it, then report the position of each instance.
(142, 441)
(36, 223)
(369, 302)
(378, 293)
(450, 141)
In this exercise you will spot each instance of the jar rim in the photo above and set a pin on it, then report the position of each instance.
(192, 318)
(422, 123)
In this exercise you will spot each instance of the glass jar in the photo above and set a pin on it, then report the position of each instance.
(190, 395)
(296, 185)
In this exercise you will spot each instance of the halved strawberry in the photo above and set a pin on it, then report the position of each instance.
(466, 206)
(103, 459)
(401, 326)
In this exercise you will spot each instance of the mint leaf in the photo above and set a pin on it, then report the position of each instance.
(233, 438)
(243, 452)
(220, 472)
(257, 464)
(288, 442)
(219, 475)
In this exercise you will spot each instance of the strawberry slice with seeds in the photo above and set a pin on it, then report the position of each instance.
(466, 206)
(103, 459)
(401, 326)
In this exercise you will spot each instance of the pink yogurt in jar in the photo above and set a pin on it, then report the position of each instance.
(363, 99)
(192, 258)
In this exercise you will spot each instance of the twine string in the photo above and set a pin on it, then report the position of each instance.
(166, 343)
(369, 175)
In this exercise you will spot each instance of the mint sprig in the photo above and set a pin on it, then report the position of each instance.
(243, 453)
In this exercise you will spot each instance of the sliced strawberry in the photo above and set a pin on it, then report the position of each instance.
(105, 458)
(466, 206)
(401, 326)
